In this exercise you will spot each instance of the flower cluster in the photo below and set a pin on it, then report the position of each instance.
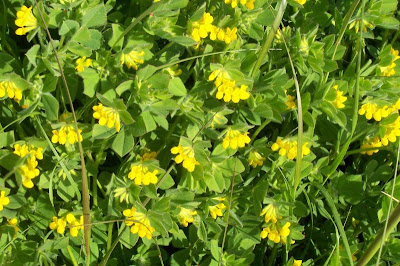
(148, 156)
(107, 116)
(66, 133)
(289, 148)
(281, 33)
(26, 21)
(185, 154)
(340, 99)
(234, 139)
(60, 224)
(391, 132)
(255, 159)
(375, 142)
(271, 213)
(203, 28)
(216, 210)
(141, 175)
(11, 90)
(3, 200)
(247, 3)
(276, 232)
(372, 110)
(290, 103)
(186, 216)
(139, 223)
(388, 70)
(132, 59)
(297, 262)
(122, 193)
(364, 25)
(227, 88)
(29, 169)
(301, 2)
(82, 63)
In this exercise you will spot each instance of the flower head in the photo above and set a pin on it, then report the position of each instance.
(24, 149)
(216, 210)
(10, 89)
(74, 224)
(289, 148)
(141, 175)
(107, 116)
(235, 139)
(148, 156)
(291, 104)
(372, 110)
(271, 213)
(185, 155)
(29, 171)
(276, 232)
(26, 21)
(186, 216)
(301, 2)
(132, 59)
(82, 63)
(66, 133)
(139, 223)
(340, 99)
(3, 200)
(58, 224)
(122, 193)
(255, 159)
(13, 222)
(297, 262)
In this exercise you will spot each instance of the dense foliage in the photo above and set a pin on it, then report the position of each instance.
(169, 132)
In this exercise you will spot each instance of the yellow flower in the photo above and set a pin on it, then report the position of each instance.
(82, 63)
(216, 210)
(297, 262)
(304, 47)
(29, 171)
(74, 224)
(141, 175)
(234, 139)
(372, 110)
(392, 131)
(10, 89)
(279, 35)
(356, 25)
(66, 133)
(25, 149)
(3, 200)
(291, 104)
(230, 92)
(58, 224)
(13, 222)
(26, 21)
(255, 159)
(132, 58)
(186, 216)
(185, 155)
(122, 193)
(201, 28)
(174, 71)
(148, 156)
(66, 1)
(229, 35)
(62, 174)
(107, 116)
(139, 223)
(388, 71)
(371, 143)
(271, 213)
(276, 232)
(340, 99)
(234, 3)
(301, 2)
(289, 148)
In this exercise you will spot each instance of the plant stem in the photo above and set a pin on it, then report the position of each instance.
(393, 220)
(114, 244)
(269, 38)
(261, 127)
(85, 187)
(71, 255)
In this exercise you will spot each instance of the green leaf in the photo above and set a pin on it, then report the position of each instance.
(123, 143)
(95, 16)
(6, 138)
(32, 54)
(89, 38)
(117, 30)
(68, 26)
(51, 106)
(350, 187)
(148, 120)
(90, 81)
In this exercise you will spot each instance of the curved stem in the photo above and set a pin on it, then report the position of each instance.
(261, 127)
(269, 38)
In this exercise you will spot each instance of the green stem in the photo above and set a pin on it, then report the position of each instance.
(85, 187)
(109, 251)
(393, 220)
(272, 258)
(269, 38)
(109, 239)
(261, 127)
